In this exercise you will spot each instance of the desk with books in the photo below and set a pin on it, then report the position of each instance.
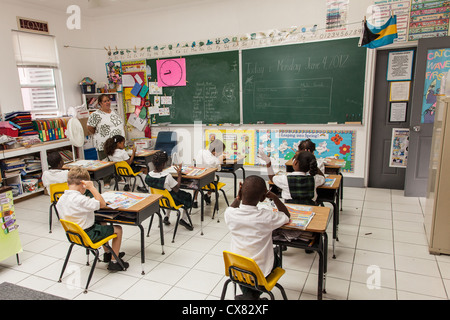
(316, 239)
(131, 208)
(144, 157)
(231, 166)
(194, 178)
(329, 192)
(97, 169)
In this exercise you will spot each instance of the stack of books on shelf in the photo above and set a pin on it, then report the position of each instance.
(22, 119)
(66, 155)
(32, 164)
(12, 166)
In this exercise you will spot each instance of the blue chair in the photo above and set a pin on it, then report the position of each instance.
(166, 141)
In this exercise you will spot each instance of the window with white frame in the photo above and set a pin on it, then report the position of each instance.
(37, 64)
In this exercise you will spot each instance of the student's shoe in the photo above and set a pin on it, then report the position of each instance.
(166, 221)
(142, 189)
(186, 225)
(106, 186)
(207, 199)
(195, 205)
(108, 255)
(126, 187)
(115, 266)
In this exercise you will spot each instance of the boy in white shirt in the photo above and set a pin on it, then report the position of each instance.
(75, 207)
(211, 158)
(55, 174)
(251, 227)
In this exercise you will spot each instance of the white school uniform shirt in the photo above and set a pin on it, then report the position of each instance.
(281, 182)
(169, 183)
(205, 159)
(77, 208)
(251, 233)
(54, 176)
(119, 155)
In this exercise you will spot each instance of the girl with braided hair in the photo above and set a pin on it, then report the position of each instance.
(159, 179)
(299, 186)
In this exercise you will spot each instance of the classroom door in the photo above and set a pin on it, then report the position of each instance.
(381, 175)
(421, 129)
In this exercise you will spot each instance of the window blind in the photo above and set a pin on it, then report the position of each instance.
(35, 50)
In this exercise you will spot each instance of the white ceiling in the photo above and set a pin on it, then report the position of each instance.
(97, 8)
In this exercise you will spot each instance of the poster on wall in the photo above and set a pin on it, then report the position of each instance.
(281, 145)
(399, 148)
(382, 11)
(337, 15)
(237, 142)
(428, 19)
(438, 64)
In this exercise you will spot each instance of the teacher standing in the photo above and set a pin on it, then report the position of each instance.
(103, 124)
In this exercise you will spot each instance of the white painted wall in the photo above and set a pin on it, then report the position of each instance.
(198, 21)
(74, 64)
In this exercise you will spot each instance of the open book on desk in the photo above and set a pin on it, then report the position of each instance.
(188, 170)
(301, 216)
(122, 200)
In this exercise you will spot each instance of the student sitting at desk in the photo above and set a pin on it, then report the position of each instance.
(251, 227)
(55, 174)
(75, 207)
(308, 145)
(115, 150)
(163, 180)
(209, 158)
(298, 186)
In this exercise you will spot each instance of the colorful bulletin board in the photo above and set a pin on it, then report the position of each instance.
(240, 142)
(438, 64)
(135, 92)
(282, 145)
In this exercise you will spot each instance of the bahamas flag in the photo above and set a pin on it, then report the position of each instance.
(375, 37)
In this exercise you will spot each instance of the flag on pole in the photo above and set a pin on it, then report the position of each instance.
(375, 37)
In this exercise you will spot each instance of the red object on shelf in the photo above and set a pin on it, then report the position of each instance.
(8, 129)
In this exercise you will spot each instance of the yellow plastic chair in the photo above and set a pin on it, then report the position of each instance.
(212, 187)
(124, 170)
(167, 202)
(244, 271)
(56, 191)
(77, 236)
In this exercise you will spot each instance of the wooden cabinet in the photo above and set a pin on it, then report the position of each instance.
(437, 209)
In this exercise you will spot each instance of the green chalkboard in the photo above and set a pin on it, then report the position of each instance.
(317, 82)
(211, 94)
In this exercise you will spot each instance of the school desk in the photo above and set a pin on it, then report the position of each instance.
(97, 169)
(318, 226)
(331, 167)
(134, 216)
(230, 166)
(144, 156)
(331, 194)
(324, 194)
(197, 183)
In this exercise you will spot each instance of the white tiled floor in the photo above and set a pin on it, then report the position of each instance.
(381, 237)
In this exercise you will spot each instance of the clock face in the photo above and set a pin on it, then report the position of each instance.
(170, 73)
